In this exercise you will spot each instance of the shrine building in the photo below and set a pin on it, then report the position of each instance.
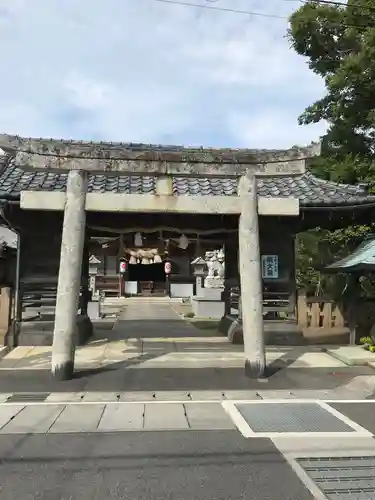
(148, 212)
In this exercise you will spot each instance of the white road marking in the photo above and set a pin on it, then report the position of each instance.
(248, 432)
(358, 428)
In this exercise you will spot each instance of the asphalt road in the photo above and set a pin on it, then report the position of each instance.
(145, 465)
(120, 378)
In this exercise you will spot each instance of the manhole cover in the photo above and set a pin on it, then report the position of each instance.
(342, 478)
(290, 417)
(34, 397)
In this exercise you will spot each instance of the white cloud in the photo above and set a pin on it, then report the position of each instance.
(144, 71)
(253, 131)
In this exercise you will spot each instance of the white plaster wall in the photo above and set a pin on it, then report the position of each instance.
(131, 287)
(181, 290)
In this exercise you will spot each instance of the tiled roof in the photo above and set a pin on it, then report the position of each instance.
(311, 191)
(362, 258)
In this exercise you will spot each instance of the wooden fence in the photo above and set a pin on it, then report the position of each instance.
(319, 312)
(323, 316)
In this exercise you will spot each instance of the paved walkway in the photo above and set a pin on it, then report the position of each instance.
(251, 418)
(153, 352)
(152, 319)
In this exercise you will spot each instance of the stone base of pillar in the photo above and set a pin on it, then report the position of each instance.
(63, 371)
(283, 333)
(255, 370)
(40, 333)
(225, 323)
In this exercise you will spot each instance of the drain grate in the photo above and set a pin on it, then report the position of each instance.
(34, 397)
(342, 478)
(290, 417)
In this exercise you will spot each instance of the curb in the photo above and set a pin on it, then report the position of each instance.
(348, 361)
(4, 351)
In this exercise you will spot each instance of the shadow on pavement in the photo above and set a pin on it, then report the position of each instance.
(151, 339)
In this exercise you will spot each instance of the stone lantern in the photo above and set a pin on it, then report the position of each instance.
(206, 303)
(93, 272)
(200, 270)
(199, 267)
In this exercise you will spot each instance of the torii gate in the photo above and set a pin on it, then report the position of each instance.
(79, 160)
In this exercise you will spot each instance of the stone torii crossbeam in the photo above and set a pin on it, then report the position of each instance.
(164, 163)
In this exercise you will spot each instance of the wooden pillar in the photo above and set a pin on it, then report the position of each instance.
(69, 280)
(251, 279)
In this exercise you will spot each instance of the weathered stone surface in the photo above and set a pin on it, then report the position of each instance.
(149, 152)
(122, 417)
(251, 279)
(310, 190)
(165, 416)
(33, 419)
(9, 412)
(69, 280)
(208, 416)
(78, 418)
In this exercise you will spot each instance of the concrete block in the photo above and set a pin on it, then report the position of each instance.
(225, 323)
(137, 396)
(352, 355)
(316, 360)
(64, 397)
(122, 417)
(283, 333)
(40, 333)
(78, 418)
(85, 329)
(101, 397)
(171, 396)
(33, 419)
(206, 307)
(18, 353)
(277, 394)
(165, 416)
(93, 310)
(4, 396)
(207, 395)
(3, 351)
(241, 395)
(153, 346)
(9, 411)
(208, 416)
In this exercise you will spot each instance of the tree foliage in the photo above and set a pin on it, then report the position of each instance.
(338, 41)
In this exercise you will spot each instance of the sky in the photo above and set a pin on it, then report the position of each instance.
(154, 72)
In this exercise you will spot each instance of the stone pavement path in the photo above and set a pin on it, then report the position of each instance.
(152, 319)
(111, 417)
(267, 418)
(152, 353)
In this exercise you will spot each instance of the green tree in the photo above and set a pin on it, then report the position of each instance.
(339, 42)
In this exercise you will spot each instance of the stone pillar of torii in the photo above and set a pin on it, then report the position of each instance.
(78, 159)
(69, 280)
(70, 277)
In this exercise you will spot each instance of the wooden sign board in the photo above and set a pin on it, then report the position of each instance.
(270, 266)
